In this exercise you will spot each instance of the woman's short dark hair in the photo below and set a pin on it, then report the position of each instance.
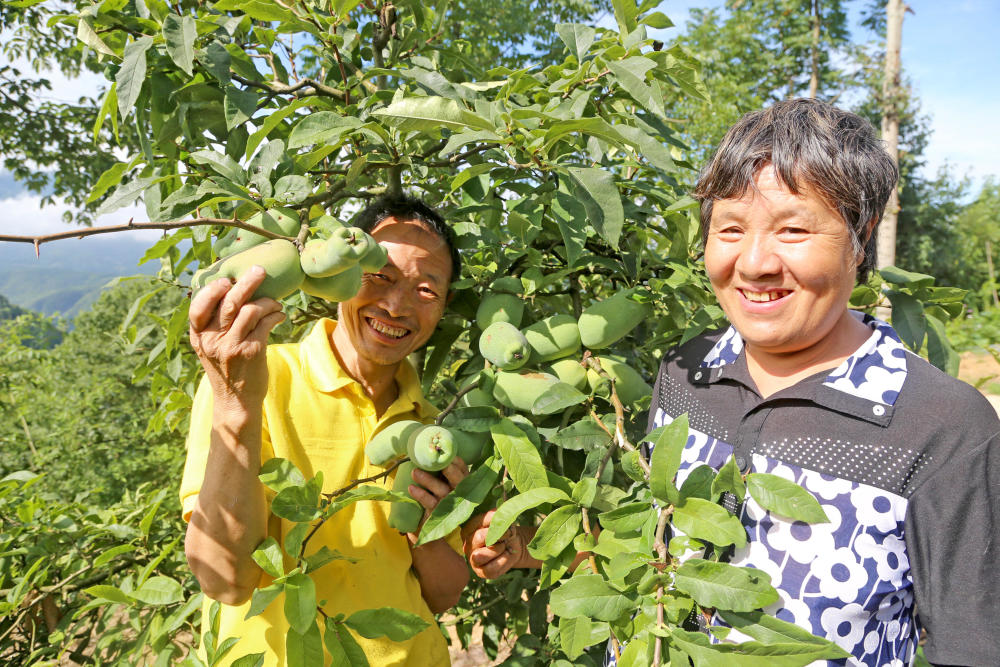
(405, 208)
(813, 144)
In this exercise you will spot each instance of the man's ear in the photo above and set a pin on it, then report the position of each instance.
(869, 230)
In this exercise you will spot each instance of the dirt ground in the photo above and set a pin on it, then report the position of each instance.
(982, 370)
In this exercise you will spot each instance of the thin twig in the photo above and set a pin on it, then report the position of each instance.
(454, 401)
(130, 226)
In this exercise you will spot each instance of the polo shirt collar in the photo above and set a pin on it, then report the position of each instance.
(324, 372)
(867, 383)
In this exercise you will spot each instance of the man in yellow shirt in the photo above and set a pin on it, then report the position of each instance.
(316, 403)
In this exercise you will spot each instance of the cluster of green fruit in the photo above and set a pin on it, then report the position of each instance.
(329, 266)
(429, 447)
(531, 360)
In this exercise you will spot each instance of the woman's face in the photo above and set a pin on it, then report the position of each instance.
(782, 266)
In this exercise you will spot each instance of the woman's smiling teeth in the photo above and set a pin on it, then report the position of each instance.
(764, 297)
(385, 329)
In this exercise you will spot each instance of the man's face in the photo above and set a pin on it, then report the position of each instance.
(398, 307)
(782, 266)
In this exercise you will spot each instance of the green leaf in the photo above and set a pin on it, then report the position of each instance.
(321, 127)
(109, 593)
(112, 553)
(898, 276)
(262, 597)
(299, 503)
(657, 20)
(513, 507)
(300, 602)
(627, 518)
(132, 74)
(729, 479)
(586, 127)
(240, 106)
(770, 630)
(557, 398)
(908, 319)
(725, 586)
(396, 624)
(292, 189)
(631, 74)
(477, 419)
(323, 556)
(577, 37)
(704, 520)
(591, 596)
(278, 474)
(221, 164)
(585, 491)
(597, 190)
(305, 649)
(249, 660)
(519, 455)
(576, 634)
(258, 10)
(666, 459)
(216, 60)
(430, 114)
(556, 532)
(784, 497)
(112, 176)
(455, 508)
(293, 539)
(939, 349)
(159, 590)
(179, 34)
(583, 435)
(272, 121)
(86, 34)
(342, 646)
(124, 194)
(626, 12)
(268, 555)
(747, 654)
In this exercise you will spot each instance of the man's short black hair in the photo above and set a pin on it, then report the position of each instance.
(405, 208)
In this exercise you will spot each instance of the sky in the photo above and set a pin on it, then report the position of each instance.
(949, 54)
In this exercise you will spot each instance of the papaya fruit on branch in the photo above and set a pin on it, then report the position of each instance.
(519, 390)
(499, 307)
(338, 287)
(405, 517)
(278, 257)
(431, 448)
(554, 337)
(322, 258)
(629, 384)
(277, 220)
(374, 259)
(569, 371)
(504, 346)
(608, 321)
(390, 443)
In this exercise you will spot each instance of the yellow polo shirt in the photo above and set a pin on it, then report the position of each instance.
(318, 417)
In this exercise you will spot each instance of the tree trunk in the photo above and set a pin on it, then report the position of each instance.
(989, 267)
(814, 76)
(890, 125)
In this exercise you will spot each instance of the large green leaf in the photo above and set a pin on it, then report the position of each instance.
(725, 586)
(519, 455)
(579, 632)
(259, 10)
(626, 14)
(299, 503)
(277, 474)
(179, 34)
(396, 624)
(239, 106)
(305, 649)
(508, 512)
(584, 434)
(729, 479)
(342, 646)
(262, 598)
(705, 520)
(770, 630)
(268, 555)
(132, 74)
(556, 532)
(300, 602)
(221, 164)
(557, 398)
(631, 74)
(455, 508)
(577, 38)
(666, 459)
(939, 349)
(898, 276)
(159, 590)
(591, 596)
(747, 654)
(321, 127)
(784, 497)
(430, 114)
(597, 190)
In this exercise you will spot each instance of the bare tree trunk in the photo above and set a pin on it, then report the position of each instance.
(814, 77)
(989, 267)
(890, 124)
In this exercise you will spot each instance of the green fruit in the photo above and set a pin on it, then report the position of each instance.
(390, 443)
(504, 346)
(375, 259)
(278, 220)
(469, 446)
(631, 467)
(610, 320)
(431, 448)
(476, 398)
(553, 338)
(519, 390)
(279, 258)
(496, 307)
(506, 285)
(322, 258)
(405, 517)
(569, 371)
(629, 384)
(338, 287)
(326, 225)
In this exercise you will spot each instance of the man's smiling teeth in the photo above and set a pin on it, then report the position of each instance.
(385, 329)
(764, 297)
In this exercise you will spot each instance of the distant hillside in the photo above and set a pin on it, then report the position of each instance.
(69, 275)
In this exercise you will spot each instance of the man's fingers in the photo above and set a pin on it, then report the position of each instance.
(427, 500)
(484, 555)
(240, 294)
(206, 302)
(432, 483)
(246, 325)
(456, 471)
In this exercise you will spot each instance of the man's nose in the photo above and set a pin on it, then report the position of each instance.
(396, 302)
(758, 255)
